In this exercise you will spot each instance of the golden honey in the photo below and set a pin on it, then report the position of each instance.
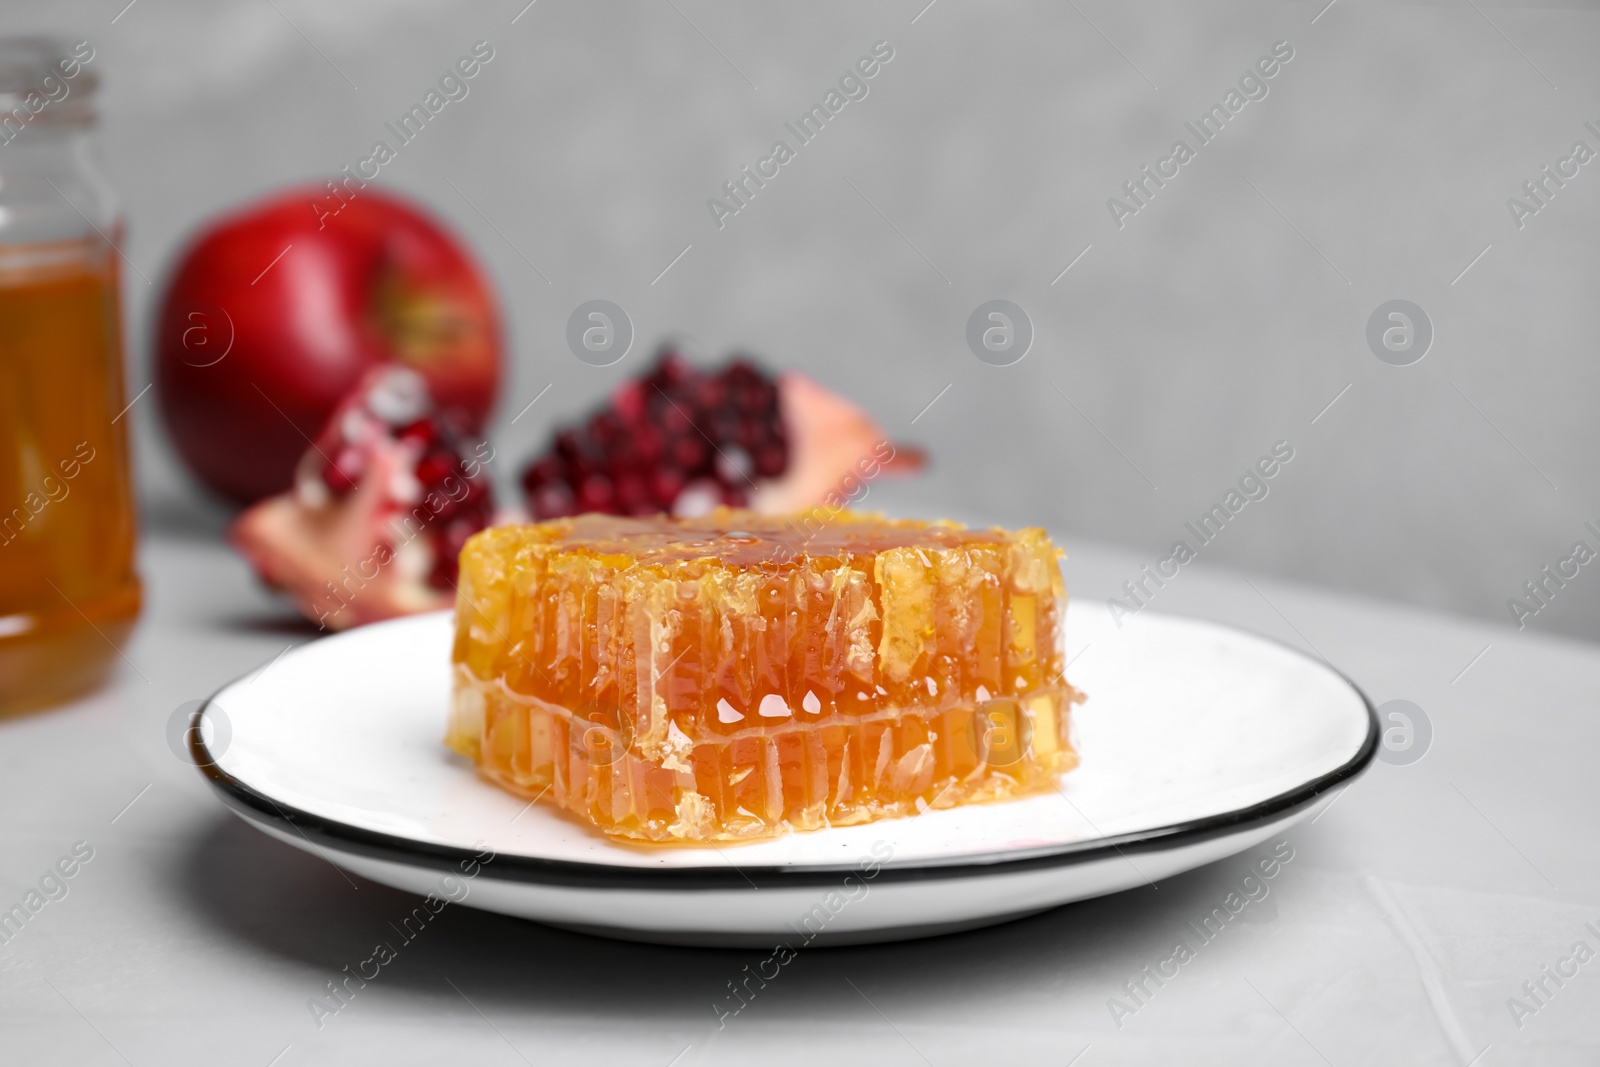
(69, 593)
(741, 676)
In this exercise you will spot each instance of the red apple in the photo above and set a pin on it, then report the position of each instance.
(275, 313)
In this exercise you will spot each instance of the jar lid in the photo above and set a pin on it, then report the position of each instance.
(44, 79)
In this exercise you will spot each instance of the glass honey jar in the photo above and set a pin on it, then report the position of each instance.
(69, 593)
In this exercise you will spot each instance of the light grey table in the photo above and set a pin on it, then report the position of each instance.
(1414, 910)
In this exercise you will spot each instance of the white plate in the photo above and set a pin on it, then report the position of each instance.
(1197, 741)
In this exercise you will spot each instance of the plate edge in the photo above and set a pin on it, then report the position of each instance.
(245, 800)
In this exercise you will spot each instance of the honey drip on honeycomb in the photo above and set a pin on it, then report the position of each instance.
(741, 676)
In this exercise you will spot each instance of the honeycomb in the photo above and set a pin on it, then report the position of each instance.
(742, 676)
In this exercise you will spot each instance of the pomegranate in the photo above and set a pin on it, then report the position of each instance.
(682, 440)
(382, 503)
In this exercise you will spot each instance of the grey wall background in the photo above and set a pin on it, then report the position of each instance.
(1224, 317)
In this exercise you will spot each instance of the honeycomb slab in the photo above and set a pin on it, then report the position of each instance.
(742, 676)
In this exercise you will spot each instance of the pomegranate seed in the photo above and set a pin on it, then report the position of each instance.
(725, 428)
(435, 467)
(750, 435)
(671, 371)
(665, 485)
(676, 420)
(751, 399)
(595, 493)
(647, 444)
(337, 481)
(689, 453)
(447, 559)
(630, 403)
(711, 394)
(424, 432)
(542, 472)
(605, 429)
(649, 448)
(343, 474)
(771, 461)
(633, 494)
(572, 445)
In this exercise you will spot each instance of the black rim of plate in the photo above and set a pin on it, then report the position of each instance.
(262, 811)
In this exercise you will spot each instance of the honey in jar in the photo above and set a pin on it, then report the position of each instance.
(69, 593)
